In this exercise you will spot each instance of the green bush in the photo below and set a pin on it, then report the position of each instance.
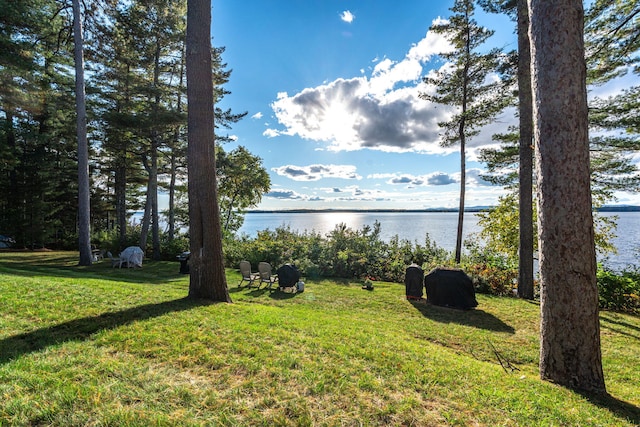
(110, 241)
(619, 291)
(493, 280)
(343, 252)
(171, 248)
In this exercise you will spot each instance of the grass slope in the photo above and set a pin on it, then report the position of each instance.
(107, 347)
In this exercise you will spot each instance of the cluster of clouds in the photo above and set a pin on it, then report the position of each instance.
(317, 172)
(337, 197)
(334, 194)
(382, 111)
(353, 192)
(473, 179)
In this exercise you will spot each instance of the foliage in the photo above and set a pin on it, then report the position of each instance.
(109, 240)
(361, 254)
(493, 280)
(242, 179)
(136, 112)
(500, 229)
(619, 291)
(612, 38)
(493, 272)
(466, 84)
(343, 252)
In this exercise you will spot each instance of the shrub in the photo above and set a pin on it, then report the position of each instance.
(343, 252)
(493, 280)
(619, 291)
(169, 249)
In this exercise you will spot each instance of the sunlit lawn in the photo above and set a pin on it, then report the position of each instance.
(100, 346)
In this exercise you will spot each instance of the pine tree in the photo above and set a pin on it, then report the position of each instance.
(569, 333)
(466, 88)
(84, 209)
(207, 274)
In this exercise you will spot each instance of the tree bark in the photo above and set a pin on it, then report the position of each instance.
(84, 228)
(207, 275)
(120, 190)
(570, 332)
(461, 202)
(525, 270)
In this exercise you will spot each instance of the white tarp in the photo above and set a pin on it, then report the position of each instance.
(132, 256)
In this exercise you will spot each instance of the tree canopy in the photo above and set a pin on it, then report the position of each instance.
(136, 107)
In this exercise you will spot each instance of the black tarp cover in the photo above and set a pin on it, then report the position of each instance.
(450, 288)
(413, 277)
(288, 276)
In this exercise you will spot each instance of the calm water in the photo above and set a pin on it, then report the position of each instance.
(441, 227)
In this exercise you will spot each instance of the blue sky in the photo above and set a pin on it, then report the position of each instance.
(331, 90)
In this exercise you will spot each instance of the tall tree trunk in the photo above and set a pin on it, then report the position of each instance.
(155, 146)
(207, 275)
(525, 272)
(463, 179)
(120, 189)
(570, 331)
(146, 215)
(13, 198)
(153, 194)
(174, 158)
(84, 217)
(171, 220)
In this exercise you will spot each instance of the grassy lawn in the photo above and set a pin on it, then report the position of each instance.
(106, 347)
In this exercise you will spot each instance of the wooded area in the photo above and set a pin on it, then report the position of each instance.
(136, 118)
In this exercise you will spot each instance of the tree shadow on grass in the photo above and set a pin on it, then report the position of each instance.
(256, 292)
(476, 318)
(252, 291)
(618, 407)
(606, 321)
(82, 329)
(64, 265)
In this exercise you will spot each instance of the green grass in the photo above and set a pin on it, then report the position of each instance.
(106, 347)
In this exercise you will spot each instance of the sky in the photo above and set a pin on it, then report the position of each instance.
(331, 90)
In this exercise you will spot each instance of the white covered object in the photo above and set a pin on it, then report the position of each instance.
(132, 256)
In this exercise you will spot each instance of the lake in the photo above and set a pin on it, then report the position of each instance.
(413, 226)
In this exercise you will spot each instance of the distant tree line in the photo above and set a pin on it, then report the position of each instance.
(137, 124)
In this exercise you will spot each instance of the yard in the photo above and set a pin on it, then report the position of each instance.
(123, 347)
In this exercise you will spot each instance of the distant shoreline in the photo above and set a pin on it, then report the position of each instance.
(474, 209)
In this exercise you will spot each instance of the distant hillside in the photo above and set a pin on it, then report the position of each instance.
(620, 208)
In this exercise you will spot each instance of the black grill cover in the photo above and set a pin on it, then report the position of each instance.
(288, 275)
(450, 288)
(413, 277)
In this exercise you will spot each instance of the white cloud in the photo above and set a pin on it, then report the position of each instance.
(316, 172)
(286, 194)
(270, 133)
(257, 115)
(474, 178)
(381, 112)
(432, 179)
(347, 16)
(410, 181)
